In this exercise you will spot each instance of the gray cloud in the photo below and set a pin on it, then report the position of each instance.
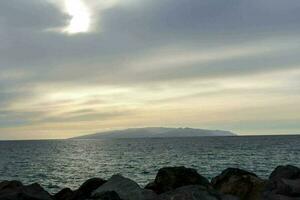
(130, 35)
(205, 18)
(30, 15)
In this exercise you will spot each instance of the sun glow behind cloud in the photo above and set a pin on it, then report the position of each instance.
(81, 16)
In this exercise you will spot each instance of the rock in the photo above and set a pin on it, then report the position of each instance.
(293, 186)
(14, 190)
(284, 182)
(240, 183)
(151, 186)
(229, 197)
(125, 188)
(6, 185)
(280, 197)
(226, 174)
(86, 189)
(109, 195)
(285, 187)
(285, 172)
(64, 194)
(170, 178)
(194, 192)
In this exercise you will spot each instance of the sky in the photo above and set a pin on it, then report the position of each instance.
(74, 67)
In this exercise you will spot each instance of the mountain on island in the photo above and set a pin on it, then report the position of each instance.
(156, 132)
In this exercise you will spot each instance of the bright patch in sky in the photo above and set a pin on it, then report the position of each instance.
(81, 16)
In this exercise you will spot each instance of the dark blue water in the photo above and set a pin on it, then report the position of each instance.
(68, 163)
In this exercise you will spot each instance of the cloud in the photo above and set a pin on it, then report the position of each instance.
(140, 52)
(32, 15)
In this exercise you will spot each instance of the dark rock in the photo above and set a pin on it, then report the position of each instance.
(14, 190)
(227, 174)
(284, 182)
(170, 178)
(280, 197)
(86, 189)
(240, 183)
(151, 186)
(64, 194)
(293, 185)
(7, 185)
(286, 187)
(285, 172)
(125, 188)
(229, 197)
(194, 192)
(109, 195)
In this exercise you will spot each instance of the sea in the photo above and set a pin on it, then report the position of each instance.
(56, 164)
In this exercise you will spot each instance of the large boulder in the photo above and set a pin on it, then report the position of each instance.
(109, 195)
(170, 178)
(285, 172)
(280, 197)
(194, 192)
(10, 185)
(125, 188)
(240, 183)
(284, 182)
(285, 187)
(86, 189)
(64, 194)
(82, 193)
(14, 190)
(293, 186)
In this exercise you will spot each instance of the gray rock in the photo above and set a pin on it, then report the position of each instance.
(125, 188)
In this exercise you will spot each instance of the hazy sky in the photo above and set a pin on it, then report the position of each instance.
(72, 67)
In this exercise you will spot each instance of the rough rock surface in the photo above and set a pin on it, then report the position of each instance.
(284, 183)
(14, 190)
(280, 197)
(194, 192)
(240, 183)
(64, 194)
(110, 195)
(86, 189)
(125, 188)
(285, 172)
(170, 178)
(172, 183)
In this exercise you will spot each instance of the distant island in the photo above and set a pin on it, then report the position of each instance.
(156, 132)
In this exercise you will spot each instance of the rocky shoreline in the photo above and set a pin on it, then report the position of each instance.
(172, 183)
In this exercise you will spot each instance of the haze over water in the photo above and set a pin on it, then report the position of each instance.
(68, 163)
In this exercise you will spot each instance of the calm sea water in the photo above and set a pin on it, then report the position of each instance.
(68, 163)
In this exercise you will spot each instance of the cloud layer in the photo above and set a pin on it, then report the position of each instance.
(209, 63)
